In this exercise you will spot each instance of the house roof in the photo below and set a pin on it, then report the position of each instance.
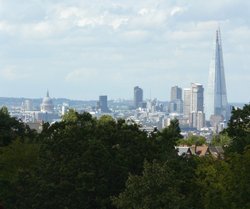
(217, 151)
(200, 150)
(183, 150)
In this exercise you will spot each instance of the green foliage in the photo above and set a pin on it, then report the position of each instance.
(11, 128)
(239, 184)
(161, 185)
(70, 116)
(86, 161)
(81, 162)
(156, 188)
(15, 159)
(221, 140)
(4, 111)
(239, 129)
(192, 140)
(166, 140)
(239, 124)
(211, 183)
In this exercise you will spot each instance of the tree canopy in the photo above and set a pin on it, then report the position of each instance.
(85, 162)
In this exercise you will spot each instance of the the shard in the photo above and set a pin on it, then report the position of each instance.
(216, 101)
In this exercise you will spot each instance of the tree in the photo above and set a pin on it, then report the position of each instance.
(16, 159)
(211, 183)
(166, 140)
(156, 188)
(70, 116)
(222, 140)
(192, 140)
(239, 129)
(11, 128)
(84, 162)
(239, 184)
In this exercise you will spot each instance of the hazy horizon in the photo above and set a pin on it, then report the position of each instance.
(83, 49)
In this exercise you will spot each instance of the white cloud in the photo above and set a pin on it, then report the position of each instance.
(177, 10)
(143, 11)
(6, 27)
(126, 41)
(68, 12)
(11, 73)
(81, 75)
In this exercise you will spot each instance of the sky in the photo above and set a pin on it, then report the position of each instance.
(80, 49)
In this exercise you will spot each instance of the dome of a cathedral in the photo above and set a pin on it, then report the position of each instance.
(47, 100)
(47, 104)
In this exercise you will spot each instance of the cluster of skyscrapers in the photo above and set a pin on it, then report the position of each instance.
(216, 106)
(191, 108)
(190, 104)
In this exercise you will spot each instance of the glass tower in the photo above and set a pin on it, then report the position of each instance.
(216, 101)
(138, 96)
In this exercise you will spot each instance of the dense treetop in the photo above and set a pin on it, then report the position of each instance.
(84, 162)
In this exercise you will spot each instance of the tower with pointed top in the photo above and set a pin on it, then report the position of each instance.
(216, 100)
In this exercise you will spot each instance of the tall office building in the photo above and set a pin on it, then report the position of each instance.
(138, 96)
(176, 93)
(197, 116)
(197, 98)
(186, 102)
(176, 102)
(216, 98)
(27, 105)
(103, 104)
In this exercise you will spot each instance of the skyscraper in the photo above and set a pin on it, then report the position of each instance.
(176, 93)
(103, 104)
(138, 96)
(197, 116)
(176, 102)
(216, 99)
(187, 100)
(197, 98)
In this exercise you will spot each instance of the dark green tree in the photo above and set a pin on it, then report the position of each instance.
(156, 188)
(15, 159)
(239, 129)
(238, 190)
(83, 162)
(11, 128)
(167, 139)
(211, 184)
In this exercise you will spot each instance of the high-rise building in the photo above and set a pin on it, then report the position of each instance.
(197, 98)
(196, 114)
(216, 98)
(65, 108)
(27, 105)
(176, 102)
(103, 104)
(176, 106)
(176, 93)
(186, 102)
(138, 96)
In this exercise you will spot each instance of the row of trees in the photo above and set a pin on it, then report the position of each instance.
(84, 162)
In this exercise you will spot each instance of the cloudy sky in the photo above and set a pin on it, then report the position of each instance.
(80, 49)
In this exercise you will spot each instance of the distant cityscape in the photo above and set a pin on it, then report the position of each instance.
(197, 113)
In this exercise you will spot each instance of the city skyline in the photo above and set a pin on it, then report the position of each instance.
(83, 49)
